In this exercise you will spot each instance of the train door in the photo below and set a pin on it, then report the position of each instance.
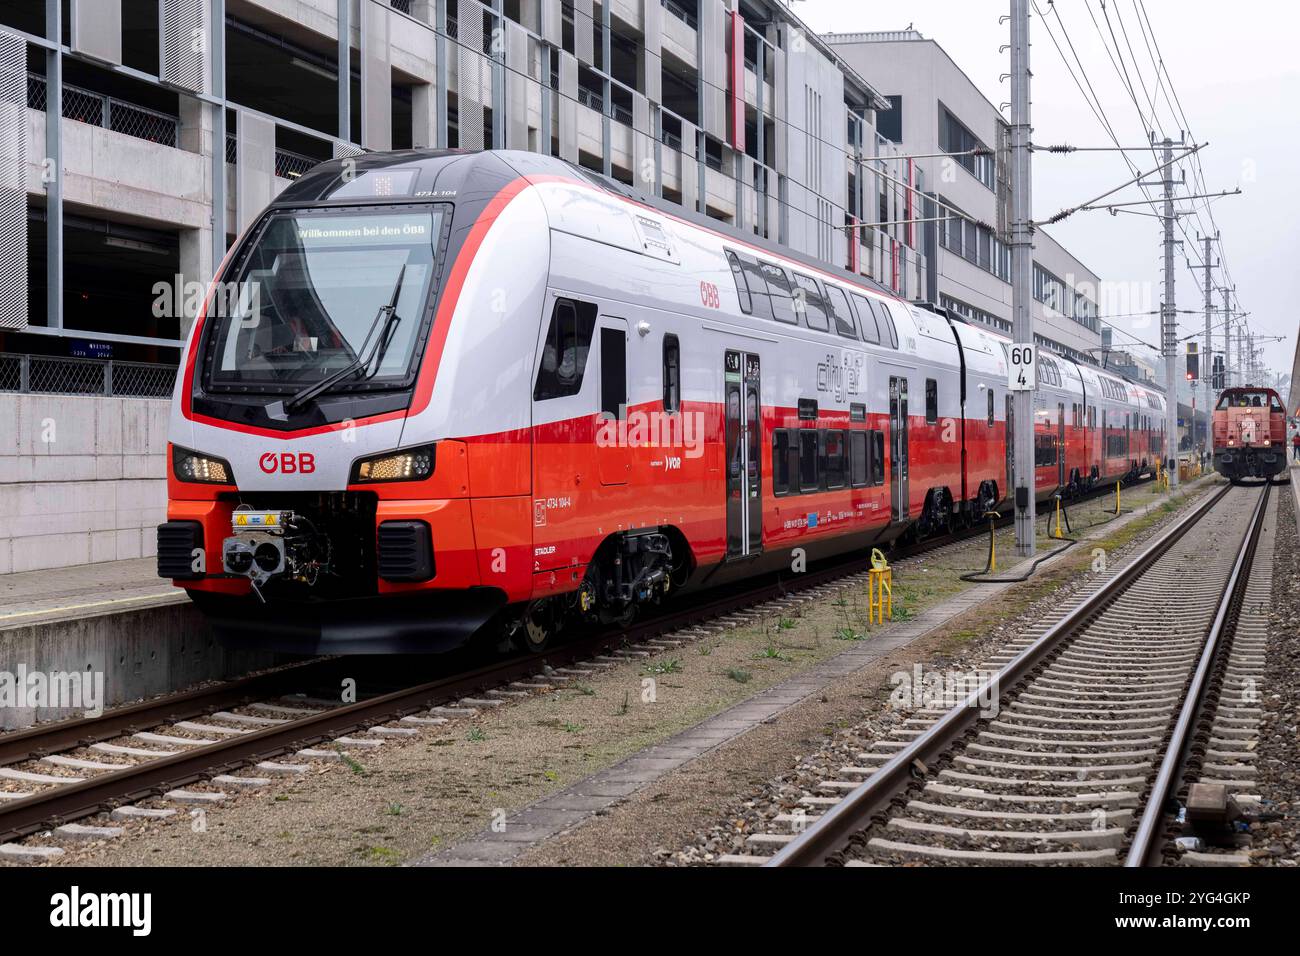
(742, 407)
(898, 452)
(1009, 440)
(613, 456)
(1060, 444)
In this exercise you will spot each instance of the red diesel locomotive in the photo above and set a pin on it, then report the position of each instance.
(1249, 433)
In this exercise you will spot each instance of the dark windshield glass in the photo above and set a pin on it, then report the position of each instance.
(310, 289)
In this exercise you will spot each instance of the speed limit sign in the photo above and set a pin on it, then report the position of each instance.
(1022, 373)
(1022, 376)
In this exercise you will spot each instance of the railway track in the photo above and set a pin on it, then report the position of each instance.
(1103, 715)
(52, 775)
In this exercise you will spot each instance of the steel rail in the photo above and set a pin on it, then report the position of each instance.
(1147, 846)
(46, 738)
(830, 834)
(62, 804)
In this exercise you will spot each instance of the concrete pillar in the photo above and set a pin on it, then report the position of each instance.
(425, 11)
(195, 126)
(424, 116)
(196, 265)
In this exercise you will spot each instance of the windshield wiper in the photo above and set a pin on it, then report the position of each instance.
(386, 320)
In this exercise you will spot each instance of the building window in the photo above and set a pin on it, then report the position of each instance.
(889, 123)
(956, 138)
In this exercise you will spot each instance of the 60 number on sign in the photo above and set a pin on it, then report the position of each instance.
(1022, 375)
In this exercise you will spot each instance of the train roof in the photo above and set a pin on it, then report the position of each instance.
(454, 174)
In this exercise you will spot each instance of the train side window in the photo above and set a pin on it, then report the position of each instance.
(564, 353)
(672, 374)
(778, 289)
(877, 455)
(809, 480)
(742, 286)
(808, 300)
(867, 318)
(931, 401)
(838, 305)
(857, 412)
(760, 301)
(858, 459)
(832, 446)
(886, 322)
(613, 373)
(781, 461)
(990, 407)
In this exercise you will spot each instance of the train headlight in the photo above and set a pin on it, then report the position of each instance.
(202, 469)
(411, 464)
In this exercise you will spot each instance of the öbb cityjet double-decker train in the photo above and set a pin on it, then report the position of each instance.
(433, 390)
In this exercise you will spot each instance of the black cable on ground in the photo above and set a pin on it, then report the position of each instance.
(980, 577)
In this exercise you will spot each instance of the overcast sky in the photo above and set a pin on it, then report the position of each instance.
(1236, 74)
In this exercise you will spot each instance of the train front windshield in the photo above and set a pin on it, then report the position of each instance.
(307, 301)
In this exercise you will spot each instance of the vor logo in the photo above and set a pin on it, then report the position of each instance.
(287, 463)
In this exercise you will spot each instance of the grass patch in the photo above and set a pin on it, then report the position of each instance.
(476, 734)
(381, 854)
(354, 765)
(671, 666)
(739, 676)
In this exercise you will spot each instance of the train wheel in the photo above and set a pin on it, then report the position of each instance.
(541, 622)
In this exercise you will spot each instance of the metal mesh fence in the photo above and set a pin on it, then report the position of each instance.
(403, 5)
(142, 123)
(288, 165)
(54, 375)
(292, 165)
(96, 109)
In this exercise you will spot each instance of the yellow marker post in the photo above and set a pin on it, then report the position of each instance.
(1117, 497)
(1058, 534)
(880, 588)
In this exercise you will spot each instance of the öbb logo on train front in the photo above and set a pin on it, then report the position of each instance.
(287, 463)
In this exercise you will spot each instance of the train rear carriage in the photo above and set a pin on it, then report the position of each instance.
(1249, 433)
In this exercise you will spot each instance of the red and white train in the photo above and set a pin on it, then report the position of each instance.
(436, 389)
(1249, 430)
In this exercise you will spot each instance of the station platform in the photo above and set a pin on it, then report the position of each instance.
(110, 587)
(1294, 474)
(117, 619)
